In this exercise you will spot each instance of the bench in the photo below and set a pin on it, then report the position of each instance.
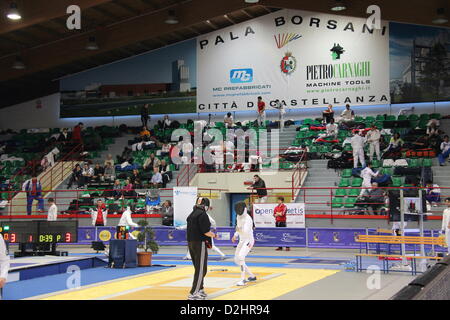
(386, 258)
(398, 240)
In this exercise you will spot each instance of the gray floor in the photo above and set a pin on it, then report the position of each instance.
(344, 285)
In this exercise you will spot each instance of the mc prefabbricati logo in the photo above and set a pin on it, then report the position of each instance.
(241, 75)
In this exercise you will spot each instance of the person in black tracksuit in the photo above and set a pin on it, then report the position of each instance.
(144, 115)
(199, 239)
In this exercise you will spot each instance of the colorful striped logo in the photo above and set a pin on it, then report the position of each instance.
(285, 38)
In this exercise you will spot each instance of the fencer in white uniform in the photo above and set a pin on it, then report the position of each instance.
(367, 174)
(4, 264)
(373, 138)
(244, 231)
(357, 143)
(446, 224)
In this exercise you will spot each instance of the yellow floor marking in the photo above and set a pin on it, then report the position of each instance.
(123, 285)
(291, 279)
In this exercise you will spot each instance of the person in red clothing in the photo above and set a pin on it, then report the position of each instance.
(76, 134)
(99, 215)
(261, 112)
(280, 217)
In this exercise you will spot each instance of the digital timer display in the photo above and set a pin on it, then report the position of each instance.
(39, 231)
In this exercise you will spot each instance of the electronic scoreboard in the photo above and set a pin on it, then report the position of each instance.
(39, 231)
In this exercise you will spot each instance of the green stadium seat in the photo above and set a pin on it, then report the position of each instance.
(413, 117)
(427, 162)
(354, 192)
(337, 202)
(436, 116)
(308, 121)
(390, 118)
(396, 181)
(424, 116)
(341, 193)
(350, 202)
(402, 117)
(344, 183)
(357, 182)
(376, 163)
(413, 163)
(388, 171)
(313, 149)
(346, 173)
(380, 117)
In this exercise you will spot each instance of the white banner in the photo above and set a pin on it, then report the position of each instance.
(263, 215)
(302, 58)
(183, 202)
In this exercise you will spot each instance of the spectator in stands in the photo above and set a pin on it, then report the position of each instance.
(52, 210)
(128, 190)
(395, 145)
(125, 156)
(357, 142)
(157, 179)
(75, 177)
(136, 179)
(33, 188)
(64, 136)
(445, 151)
(117, 189)
(164, 169)
(76, 134)
(446, 224)
(331, 131)
(328, 114)
(367, 174)
(375, 199)
(373, 138)
(228, 121)
(167, 211)
(347, 115)
(151, 163)
(280, 214)
(433, 193)
(100, 215)
(144, 133)
(109, 159)
(260, 186)
(432, 130)
(110, 172)
(144, 115)
(99, 173)
(261, 112)
(86, 174)
(165, 149)
(165, 123)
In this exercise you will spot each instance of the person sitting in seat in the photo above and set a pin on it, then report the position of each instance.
(157, 179)
(128, 190)
(144, 133)
(136, 179)
(347, 115)
(165, 123)
(433, 193)
(445, 151)
(164, 169)
(395, 145)
(75, 177)
(375, 199)
(109, 159)
(228, 121)
(109, 172)
(117, 189)
(86, 175)
(328, 114)
(98, 173)
(167, 213)
(151, 163)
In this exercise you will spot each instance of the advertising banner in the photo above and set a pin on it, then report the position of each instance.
(183, 201)
(263, 215)
(302, 58)
(334, 238)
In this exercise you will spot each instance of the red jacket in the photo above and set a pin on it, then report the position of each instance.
(280, 208)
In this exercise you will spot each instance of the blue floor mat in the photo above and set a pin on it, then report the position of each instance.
(38, 286)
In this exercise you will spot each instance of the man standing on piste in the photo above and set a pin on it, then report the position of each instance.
(199, 240)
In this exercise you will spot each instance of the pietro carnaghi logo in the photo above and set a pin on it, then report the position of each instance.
(337, 51)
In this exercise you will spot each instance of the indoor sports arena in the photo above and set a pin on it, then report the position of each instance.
(224, 151)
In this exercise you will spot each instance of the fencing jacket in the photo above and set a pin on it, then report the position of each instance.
(357, 142)
(446, 220)
(52, 213)
(4, 259)
(244, 227)
(373, 136)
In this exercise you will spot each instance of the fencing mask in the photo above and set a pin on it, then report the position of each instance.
(240, 207)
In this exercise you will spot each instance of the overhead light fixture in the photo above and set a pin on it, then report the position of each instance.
(440, 17)
(171, 18)
(338, 5)
(92, 44)
(251, 1)
(13, 12)
(18, 64)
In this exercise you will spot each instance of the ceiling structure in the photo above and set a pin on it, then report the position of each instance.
(124, 28)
